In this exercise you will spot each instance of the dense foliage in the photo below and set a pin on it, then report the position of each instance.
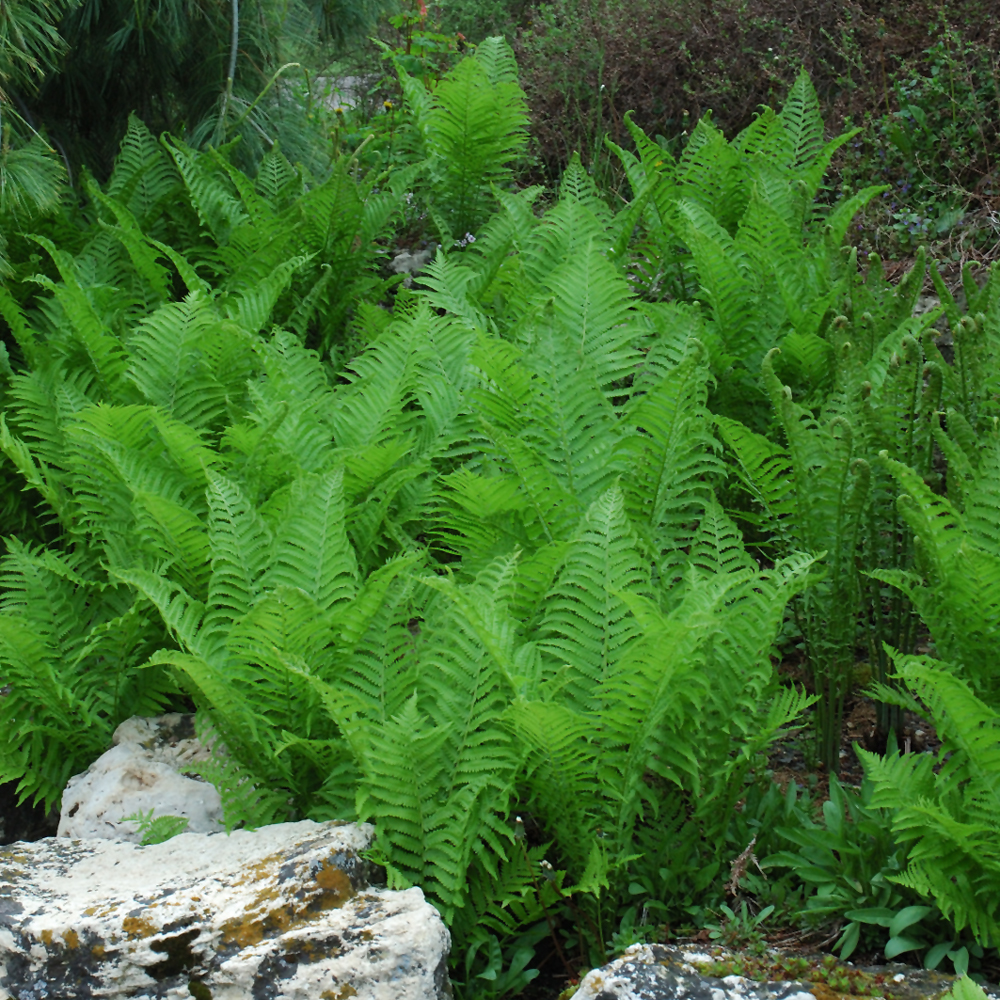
(502, 561)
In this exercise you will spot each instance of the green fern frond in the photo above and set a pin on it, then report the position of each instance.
(311, 550)
(803, 123)
(245, 804)
(473, 124)
(577, 186)
(252, 307)
(673, 455)
(478, 515)
(143, 177)
(219, 207)
(176, 538)
(571, 425)
(240, 543)
(35, 474)
(587, 625)
(274, 175)
(709, 171)
(727, 289)
(592, 302)
(110, 459)
(102, 350)
(764, 469)
(181, 614)
(947, 814)
(169, 364)
(403, 768)
(717, 545)
(497, 60)
(561, 771)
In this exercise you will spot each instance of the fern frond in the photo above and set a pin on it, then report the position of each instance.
(103, 351)
(169, 364)
(947, 815)
(473, 126)
(219, 208)
(176, 538)
(587, 625)
(592, 302)
(36, 475)
(560, 771)
(240, 542)
(144, 179)
(246, 803)
(311, 550)
(717, 545)
(803, 122)
(251, 307)
(673, 455)
(764, 469)
(274, 175)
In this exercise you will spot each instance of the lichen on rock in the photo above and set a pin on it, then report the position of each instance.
(286, 912)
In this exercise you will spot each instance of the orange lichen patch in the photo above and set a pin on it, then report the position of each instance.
(261, 871)
(265, 895)
(245, 933)
(196, 899)
(46, 937)
(261, 918)
(138, 927)
(334, 880)
(71, 938)
(339, 994)
(98, 951)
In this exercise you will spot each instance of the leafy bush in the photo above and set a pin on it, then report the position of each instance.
(585, 64)
(933, 148)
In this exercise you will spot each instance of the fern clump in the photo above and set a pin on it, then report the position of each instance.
(465, 134)
(522, 559)
(946, 808)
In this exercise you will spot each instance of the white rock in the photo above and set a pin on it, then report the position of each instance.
(281, 913)
(141, 773)
(664, 972)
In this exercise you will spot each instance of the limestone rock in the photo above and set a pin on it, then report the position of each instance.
(141, 773)
(665, 972)
(659, 972)
(282, 913)
(412, 263)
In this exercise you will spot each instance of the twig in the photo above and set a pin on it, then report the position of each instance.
(738, 868)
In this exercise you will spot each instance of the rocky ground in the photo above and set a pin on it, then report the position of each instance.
(700, 969)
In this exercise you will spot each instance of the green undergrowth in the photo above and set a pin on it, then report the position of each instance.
(504, 560)
(840, 978)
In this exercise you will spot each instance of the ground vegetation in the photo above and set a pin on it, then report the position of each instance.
(537, 558)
